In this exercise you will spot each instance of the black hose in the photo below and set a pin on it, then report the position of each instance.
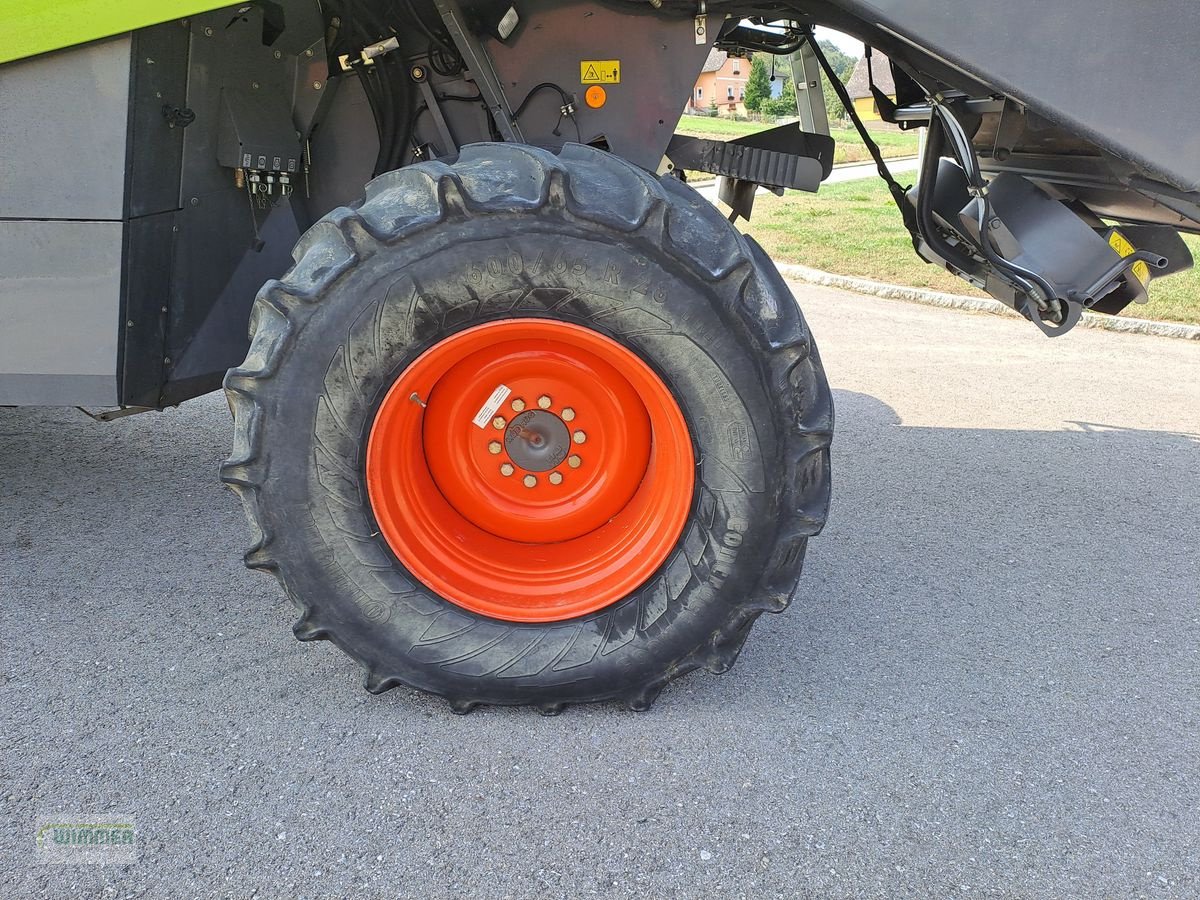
(357, 32)
(437, 62)
(402, 142)
(395, 91)
(416, 19)
(544, 86)
(955, 256)
(382, 71)
(1028, 282)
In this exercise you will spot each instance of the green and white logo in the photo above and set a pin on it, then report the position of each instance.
(86, 840)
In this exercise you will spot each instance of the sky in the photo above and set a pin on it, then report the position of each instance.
(845, 43)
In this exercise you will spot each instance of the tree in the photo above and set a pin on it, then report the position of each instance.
(758, 89)
(833, 105)
(843, 64)
(785, 104)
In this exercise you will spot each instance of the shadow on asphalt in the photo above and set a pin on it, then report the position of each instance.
(1116, 496)
(989, 670)
(54, 457)
(925, 521)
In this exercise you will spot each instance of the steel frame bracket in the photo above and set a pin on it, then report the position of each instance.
(480, 68)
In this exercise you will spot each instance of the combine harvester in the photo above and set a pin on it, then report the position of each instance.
(521, 419)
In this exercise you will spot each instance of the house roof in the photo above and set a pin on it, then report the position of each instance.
(716, 61)
(881, 69)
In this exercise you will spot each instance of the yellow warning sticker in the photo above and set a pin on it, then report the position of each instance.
(600, 71)
(1121, 244)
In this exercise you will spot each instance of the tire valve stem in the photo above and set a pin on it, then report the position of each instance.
(416, 398)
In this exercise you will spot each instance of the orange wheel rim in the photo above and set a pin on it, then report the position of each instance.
(530, 470)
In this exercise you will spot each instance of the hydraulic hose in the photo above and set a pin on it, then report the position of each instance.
(1028, 282)
(929, 231)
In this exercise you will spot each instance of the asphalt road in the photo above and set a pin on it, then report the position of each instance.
(988, 687)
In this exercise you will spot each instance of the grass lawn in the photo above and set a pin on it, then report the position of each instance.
(854, 228)
(849, 147)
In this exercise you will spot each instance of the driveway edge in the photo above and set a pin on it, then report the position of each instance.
(980, 304)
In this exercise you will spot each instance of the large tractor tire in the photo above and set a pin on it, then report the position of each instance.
(530, 429)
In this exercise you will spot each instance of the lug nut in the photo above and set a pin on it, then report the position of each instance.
(499, 423)
(530, 481)
(580, 437)
(507, 470)
(568, 415)
(545, 402)
(518, 405)
(495, 448)
(574, 462)
(556, 478)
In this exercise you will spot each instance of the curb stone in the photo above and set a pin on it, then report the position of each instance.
(980, 304)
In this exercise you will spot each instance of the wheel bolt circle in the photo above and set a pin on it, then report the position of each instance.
(507, 470)
(568, 415)
(575, 462)
(545, 402)
(531, 481)
(580, 437)
(495, 448)
(518, 405)
(556, 478)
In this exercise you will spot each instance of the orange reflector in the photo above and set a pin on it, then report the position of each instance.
(596, 96)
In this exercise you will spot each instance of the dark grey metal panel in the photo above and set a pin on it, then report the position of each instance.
(149, 251)
(63, 133)
(226, 244)
(659, 57)
(60, 295)
(1121, 74)
(344, 148)
(159, 86)
(227, 52)
(216, 275)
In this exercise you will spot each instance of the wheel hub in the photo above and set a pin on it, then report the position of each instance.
(548, 474)
(538, 441)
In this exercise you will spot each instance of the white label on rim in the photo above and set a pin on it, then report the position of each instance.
(484, 419)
